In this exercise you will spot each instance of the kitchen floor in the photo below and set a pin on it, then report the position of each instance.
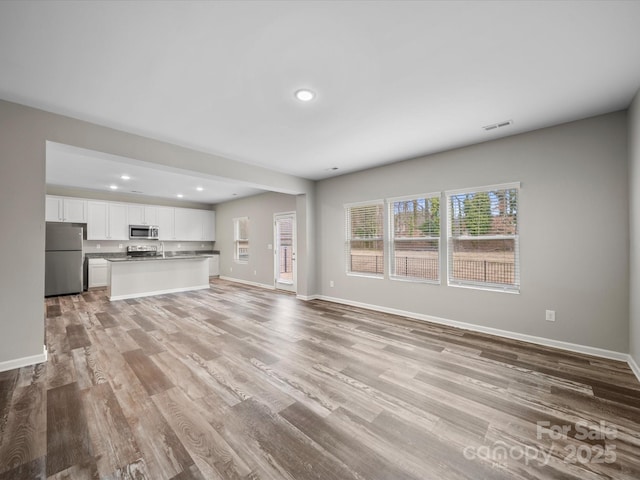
(239, 382)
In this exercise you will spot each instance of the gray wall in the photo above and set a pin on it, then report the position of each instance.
(573, 239)
(22, 190)
(634, 219)
(260, 210)
(23, 133)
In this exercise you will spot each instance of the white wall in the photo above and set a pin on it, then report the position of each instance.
(574, 232)
(23, 133)
(260, 210)
(634, 219)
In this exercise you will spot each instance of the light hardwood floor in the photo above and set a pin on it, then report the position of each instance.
(244, 383)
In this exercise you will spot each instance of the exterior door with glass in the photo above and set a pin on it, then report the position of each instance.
(285, 251)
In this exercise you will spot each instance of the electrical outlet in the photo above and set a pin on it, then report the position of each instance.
(550, 315)
(331, 283)
(120, 245)
(98, 246)
(201, 245)
(269, 246)
(255, 272)
(231, 269)
(178, 245)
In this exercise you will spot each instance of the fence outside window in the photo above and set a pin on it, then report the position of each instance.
(486, 271)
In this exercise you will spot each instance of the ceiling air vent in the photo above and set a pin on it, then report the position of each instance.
(494, 126)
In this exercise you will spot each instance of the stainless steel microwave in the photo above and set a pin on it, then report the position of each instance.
(143, 232)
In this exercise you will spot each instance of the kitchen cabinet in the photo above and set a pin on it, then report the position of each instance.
(53, 209)
(107, 221)
(194, 225)
(188, 224)
(97, 272)
(111, 220)
(209, 226)
(118, 221)
(214, 266)
(166, 223)
(64, 209)
(97, 221)
(142, 214)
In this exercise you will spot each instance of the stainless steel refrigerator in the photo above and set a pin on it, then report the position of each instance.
(63, 272)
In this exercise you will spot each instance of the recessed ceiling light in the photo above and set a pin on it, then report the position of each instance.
(125, 177)
(199, 189)
(305, 95)
(179, 195)
(332, 169)
(113, 187)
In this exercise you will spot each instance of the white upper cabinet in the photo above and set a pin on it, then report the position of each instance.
(150, 215)
(166, 223)
(188, 224)
(53, 209)
(111, 220)
(97, 221)
(209, 226)
(75, 210)
(107, 221)
(64, 209)
(143, 214)
(118, 221)
(194, 225)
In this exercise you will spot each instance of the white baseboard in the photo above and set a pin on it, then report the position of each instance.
(547, 342)
(247, 282)
(157, 292)
(24, 361)
(634, 366)
(308, 298)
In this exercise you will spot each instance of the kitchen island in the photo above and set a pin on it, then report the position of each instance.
(134, 277)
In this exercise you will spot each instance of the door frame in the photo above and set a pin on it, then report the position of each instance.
(293, 286)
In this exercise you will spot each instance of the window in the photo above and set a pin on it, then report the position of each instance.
(415, 237)
(482, 231)
(241, 239)
(364, 239)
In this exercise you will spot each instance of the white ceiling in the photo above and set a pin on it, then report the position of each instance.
(80, 168)
(394, 79)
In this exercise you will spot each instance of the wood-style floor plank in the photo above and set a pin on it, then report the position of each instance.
(238, 382)
(112, 440)
(68, 441)
(151, 377)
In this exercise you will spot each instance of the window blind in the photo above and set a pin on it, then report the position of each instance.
(241, 239)
(483, 238)
(415, 237)
(364, 246)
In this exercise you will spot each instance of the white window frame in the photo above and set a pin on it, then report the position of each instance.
(515, 288)
(237, 257)
(349, 239)
(390, 243)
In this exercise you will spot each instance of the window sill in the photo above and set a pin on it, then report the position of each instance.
(486, 288)
(364, 275)
(414, 280)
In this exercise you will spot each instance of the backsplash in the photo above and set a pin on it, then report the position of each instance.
(115, 246)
